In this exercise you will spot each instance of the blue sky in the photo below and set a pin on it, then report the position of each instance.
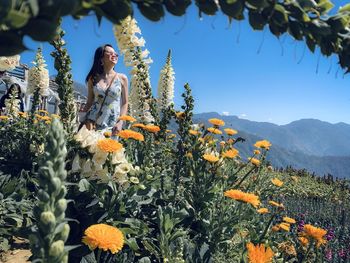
(281, 83)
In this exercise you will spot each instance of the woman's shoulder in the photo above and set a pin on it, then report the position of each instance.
(122, 76)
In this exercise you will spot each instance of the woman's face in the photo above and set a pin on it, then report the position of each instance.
(110, 56)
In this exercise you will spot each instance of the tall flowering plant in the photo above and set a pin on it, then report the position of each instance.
(9, 63)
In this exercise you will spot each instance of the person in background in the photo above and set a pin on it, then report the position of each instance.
(107, 92)
(14, 88)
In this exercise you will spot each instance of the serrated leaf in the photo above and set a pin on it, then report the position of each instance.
(345, 8)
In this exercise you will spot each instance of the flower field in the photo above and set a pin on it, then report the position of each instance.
(150, 194)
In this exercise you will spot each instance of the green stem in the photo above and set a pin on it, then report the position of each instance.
(98, 255)
(307, 253)
(267, 228)
(244, 177)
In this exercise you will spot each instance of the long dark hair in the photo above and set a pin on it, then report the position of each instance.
(11, 88)
(97, 67)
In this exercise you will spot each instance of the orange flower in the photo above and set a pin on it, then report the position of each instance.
(138, 125)
(180, 114)
(277, 182)
(5, 118)
(214, 130)
(244, 197)
(254, 161)
(256, 152)
(263, 211)
(151, 128)
(109, 145)
(284, 226)
(264, 144)
(127, 118)
(232, 153)
(289, 220)
(304, 241)
(130, 134)
(275, 228)
(316, 233)
(259, 254)
(216, 122)
(230, 131)
(23, 114)
(104, 237)
(276, 204)
(107, 134)
(210, 158)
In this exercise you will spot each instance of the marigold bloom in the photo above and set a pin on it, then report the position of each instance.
(109, 145)
(276, 204)
(316, 233)
(284, 226)
(130, 134)
(214, 130)
(304, 241)
(289, 220)
(138, 125)
(232, 153)
(43, 111)
(201, 140)
(244, 197)
(254, 161)
(23, 114)
(230, 131)
(210, 158)
(277, 182)
(259, 254)
(256, 152)
(151, 128)
(45, 118)
(127, 118)
(193, 132)
(263, 210)
(104, 237)
(216, 122)
(2, 117)
(264, 144)
(275, 228)
(168, 131)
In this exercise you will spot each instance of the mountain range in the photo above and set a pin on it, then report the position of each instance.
(318, 146)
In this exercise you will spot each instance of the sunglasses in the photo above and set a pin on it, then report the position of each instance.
(112, 53)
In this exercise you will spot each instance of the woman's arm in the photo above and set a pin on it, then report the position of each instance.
(90, 98)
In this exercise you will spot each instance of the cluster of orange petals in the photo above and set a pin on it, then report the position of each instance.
(276, 204)
(127, 118)
(109, 145)
(151, 128)
(263, 210)
(193, 132)
(216, 122)
(277, 182)
(232, 153)
(230, 131)
(214, 130)
(244, 197)
(104, 237)
(254, 161)
(315, 233)
(138, 125)
(210, 158)
(264, 144)
(130, 134)
(259, 254)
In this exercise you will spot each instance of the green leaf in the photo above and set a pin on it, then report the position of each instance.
(84, 185)
(177, 7)
(144, 260)
(295, 30)
(324, 6)
(208, 7)
(90, 258)
(232, 8)
(114, 10)
(151, 10)
(48, 28)
(345, 8)
(280, 15)
(311, 44)
(11, 43)
(131, 242)
(256, 20)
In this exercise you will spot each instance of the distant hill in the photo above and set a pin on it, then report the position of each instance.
(317, 146)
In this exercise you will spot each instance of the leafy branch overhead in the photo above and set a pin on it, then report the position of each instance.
(304, 20)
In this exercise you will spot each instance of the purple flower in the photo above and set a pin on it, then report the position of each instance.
(301, 224)
(329, 254)
(342, 253)
(330, 234)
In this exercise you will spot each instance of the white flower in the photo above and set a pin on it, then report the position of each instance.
(118, 157)
(99, 158)
(120, 178)
(166, 85)
(87, 170)
(9, 63)
(38, 75)
(134, 180)
(76, 163)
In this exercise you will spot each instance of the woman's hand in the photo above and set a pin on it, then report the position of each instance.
(117, 128)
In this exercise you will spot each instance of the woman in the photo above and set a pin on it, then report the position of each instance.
(107, 92)
(17, 90)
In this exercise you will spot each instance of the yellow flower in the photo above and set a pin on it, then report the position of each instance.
(5, 118)
(254, 161)
(276, 204)
(256, 152)
(214, 130)
(104, 237)
(23, 114)
(138, 125)
(151, 128)
(130, 134)
(244, 197)
(264, 144)
(193, 132)
(316, 233)
(259, 254)
(304, 241)
(263, 211)
(277, 182)
(48, 122)
(289, 220)
(167, 131)
(45, 118)
(201, 140)
(107, 134)
(109, 145)
(210, 158)
(284, 226)
(172, 136)
(43, 111)
(232, 153)
(216, 122)
(127, 118)
(230, 131)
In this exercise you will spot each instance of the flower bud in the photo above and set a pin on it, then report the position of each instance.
(142, 186)
(56, 249)
(47, 218)
(65, 233)
(43, 196)
(61, 205)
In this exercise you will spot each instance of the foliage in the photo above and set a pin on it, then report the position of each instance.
(306, 20)
(51, 229)
(64, 81)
